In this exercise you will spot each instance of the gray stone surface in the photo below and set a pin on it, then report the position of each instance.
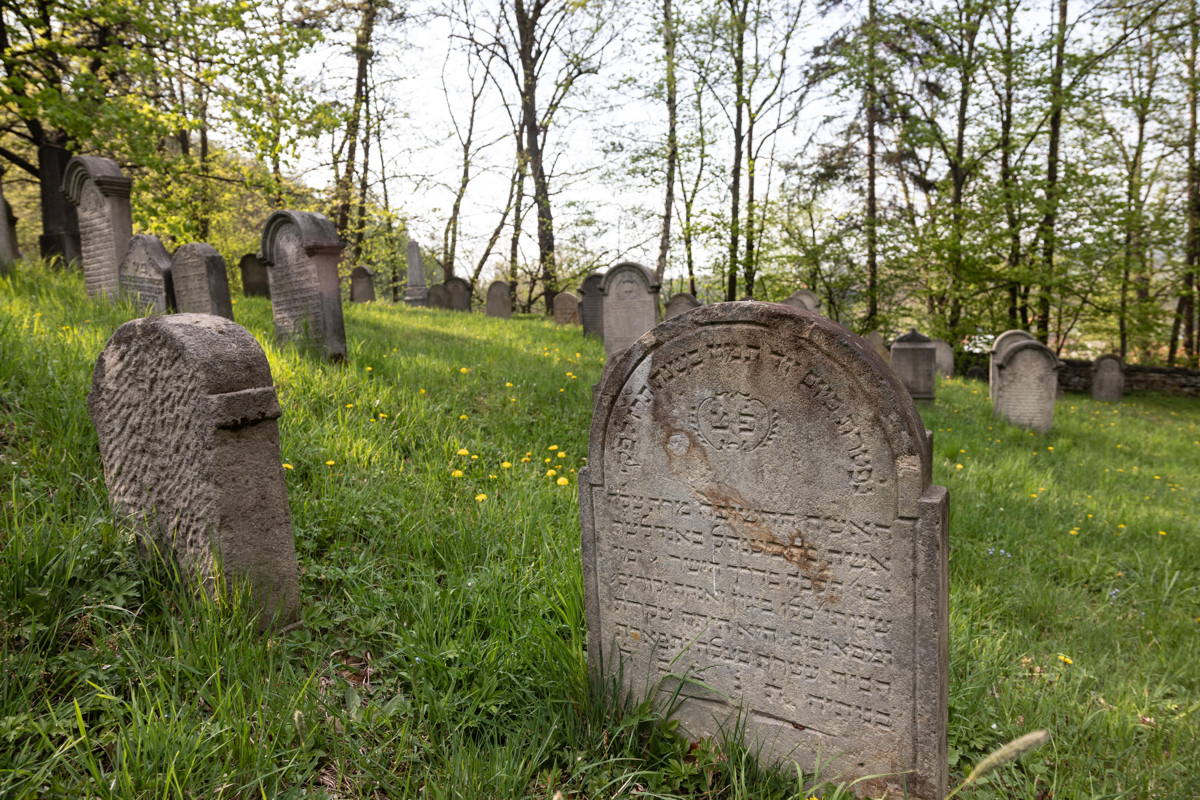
(9, 252)
(416, 293)
(145, 275)
(591, 305)
(875, 340)
(499, 301)
(805, 299)
(944, 358)
(185, 412)
(1108, 379)
(681, 303)
(302, 251)
(255, 282)
(200, 281)
(566, 308)
(458, 294)
(436, 296)
(1026, 384)
(1002, 342)
(757, 514)
(630, 306)
(914, 360)
(362, 285)
(100, 193)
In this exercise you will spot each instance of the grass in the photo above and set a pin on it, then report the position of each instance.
(441, 652)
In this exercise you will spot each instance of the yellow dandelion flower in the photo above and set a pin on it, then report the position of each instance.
(1032, 494)
(562, 454)
(491, 477)
(464, 370)
(474, 458)
(505, 465)
(550, 473)
(349, 405)
(382, 415)
(463, 416)
(528, 453)
(547, 460)
(420, 391)
(330, 463)
(1120, 524)
(508, 384)
(462, 451)
(369, 369)
(1065, 659)
(562, 390)
(458, 473)
(562, 481)
(1162, 533)
(552, 447)
(525, 460)
(958, 466)
(479, 498)
(1050, 448)
(288, 466)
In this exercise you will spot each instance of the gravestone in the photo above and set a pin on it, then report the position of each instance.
(499, 301)
(200, 281)
(1002, 342)
(145, 274)
(630, 305)
(681, 304)
(914, 360)
(458, 294)
(1108, 379)
(1026, 384)
(805, 299)
(591, 305)
(943, 358)
(757, 516)
(185, 411)
(437, 296)
(566, 309)
(302, 251)
(875, 340)
(100, 194)
(9, 252)
(415, 293)
(362, 285)
(255, 282)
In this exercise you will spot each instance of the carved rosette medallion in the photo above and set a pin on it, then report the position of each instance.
(734, 421)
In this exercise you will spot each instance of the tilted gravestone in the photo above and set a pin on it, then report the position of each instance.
(362, 285)
(805, 299)
(499, 301)
(630, 305)
(458, 294)
(185, 411)
(200, 281)
(1026, 385)
(437, 296)
(681, 303)
(914, 360)
(591, 305)
(943, 358)
(566, 309)
(302, 251)
(758, 517)
(255, 282)
(100, 193)
(145, 274)
(415, 293)
(875, 340)
(1108, 379)
(1002, 342)
(9, 252)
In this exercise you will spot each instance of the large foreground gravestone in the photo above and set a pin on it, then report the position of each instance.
(499, 301)
(630, 305)
(566, 309)
(362, 285)
(1002, 343)
(943, 358)
(416, 293)
(100, 193)
(185, 411)
(1026, 385)
(200, 281)
(302, 252)
(458, 293)
(758, 517)
(255, 282)
(804, 299)
(681, 303)
(1108, 379)
(591, 305)
(914, 360)
(145, 274)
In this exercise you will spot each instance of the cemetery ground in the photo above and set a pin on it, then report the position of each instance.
(432, 482)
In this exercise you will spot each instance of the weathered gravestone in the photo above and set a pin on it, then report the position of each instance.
(805, 299)
(943, 361)
(185, 412)
(566, 309)
(302, 251)
(1026, 384)
(145, 274)
(681, 303)
(9, 252)
(1108, 379)
(591, 305)
(914, 360)
(100, 193)
(415, 293)
(362, 285)
(458, 293)
(255, 282)
(437, 296)
(200, 281)
(875, 341)
(630, 305)
(757, 516)
(499, 301)
(1002, 342)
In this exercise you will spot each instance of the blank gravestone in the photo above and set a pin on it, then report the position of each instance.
(185, 411)
(805, 299)
(145, 274)
(1003, 341)
(302, 252)
(1108, 379)
(499, 301)
(100, 193)
(437, 296)
(255, 282)
(1026, 385)
(914, 360)
(630, 306)
(200, 281)
(362, 285)
(681, 303)
(943, 358)
(757, 516)
(566, 309)
(458, 294)
(415, 293)
(591, 305)
(875, 341)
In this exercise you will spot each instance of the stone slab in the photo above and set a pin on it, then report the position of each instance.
(681, 303)
(566, 308)
(145, 275)
(630, 305)
(499, 300)
(1003, 342)
(100, 193)
(1026, 385)
(1108, 379)
(362, 285)
(944, 358)
(805, 299)
(437, 297)
(255, 282)
(591, 305)
(200, 281)
(415, 292)
(302, 251)
(458, 294)
(914, 360)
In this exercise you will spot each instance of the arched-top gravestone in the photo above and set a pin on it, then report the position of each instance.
(1026, 385)
(805, 299)
(436, 296)
(499, 301)
(185, 412)
(302, 251)
(566, 309)
(914, 360)
(681, 303)
(1003, 342)
(630, 306)
(458, 293)
(757, 516)
(100, 193)
(200, 281)
(416, 293)
(591, 305)
(875, 340)
(145, 274)
(362, 285)
(254, 276)
(1108, 379)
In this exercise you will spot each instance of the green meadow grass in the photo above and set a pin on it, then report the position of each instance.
(441, 653)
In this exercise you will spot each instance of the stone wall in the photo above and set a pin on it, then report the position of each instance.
(1076, 376)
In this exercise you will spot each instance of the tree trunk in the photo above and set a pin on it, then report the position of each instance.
(1050, 214)
(60, 226)
(664, 239)
(1192, 256)
(363, 53)
(737, 23)
(872, 220)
